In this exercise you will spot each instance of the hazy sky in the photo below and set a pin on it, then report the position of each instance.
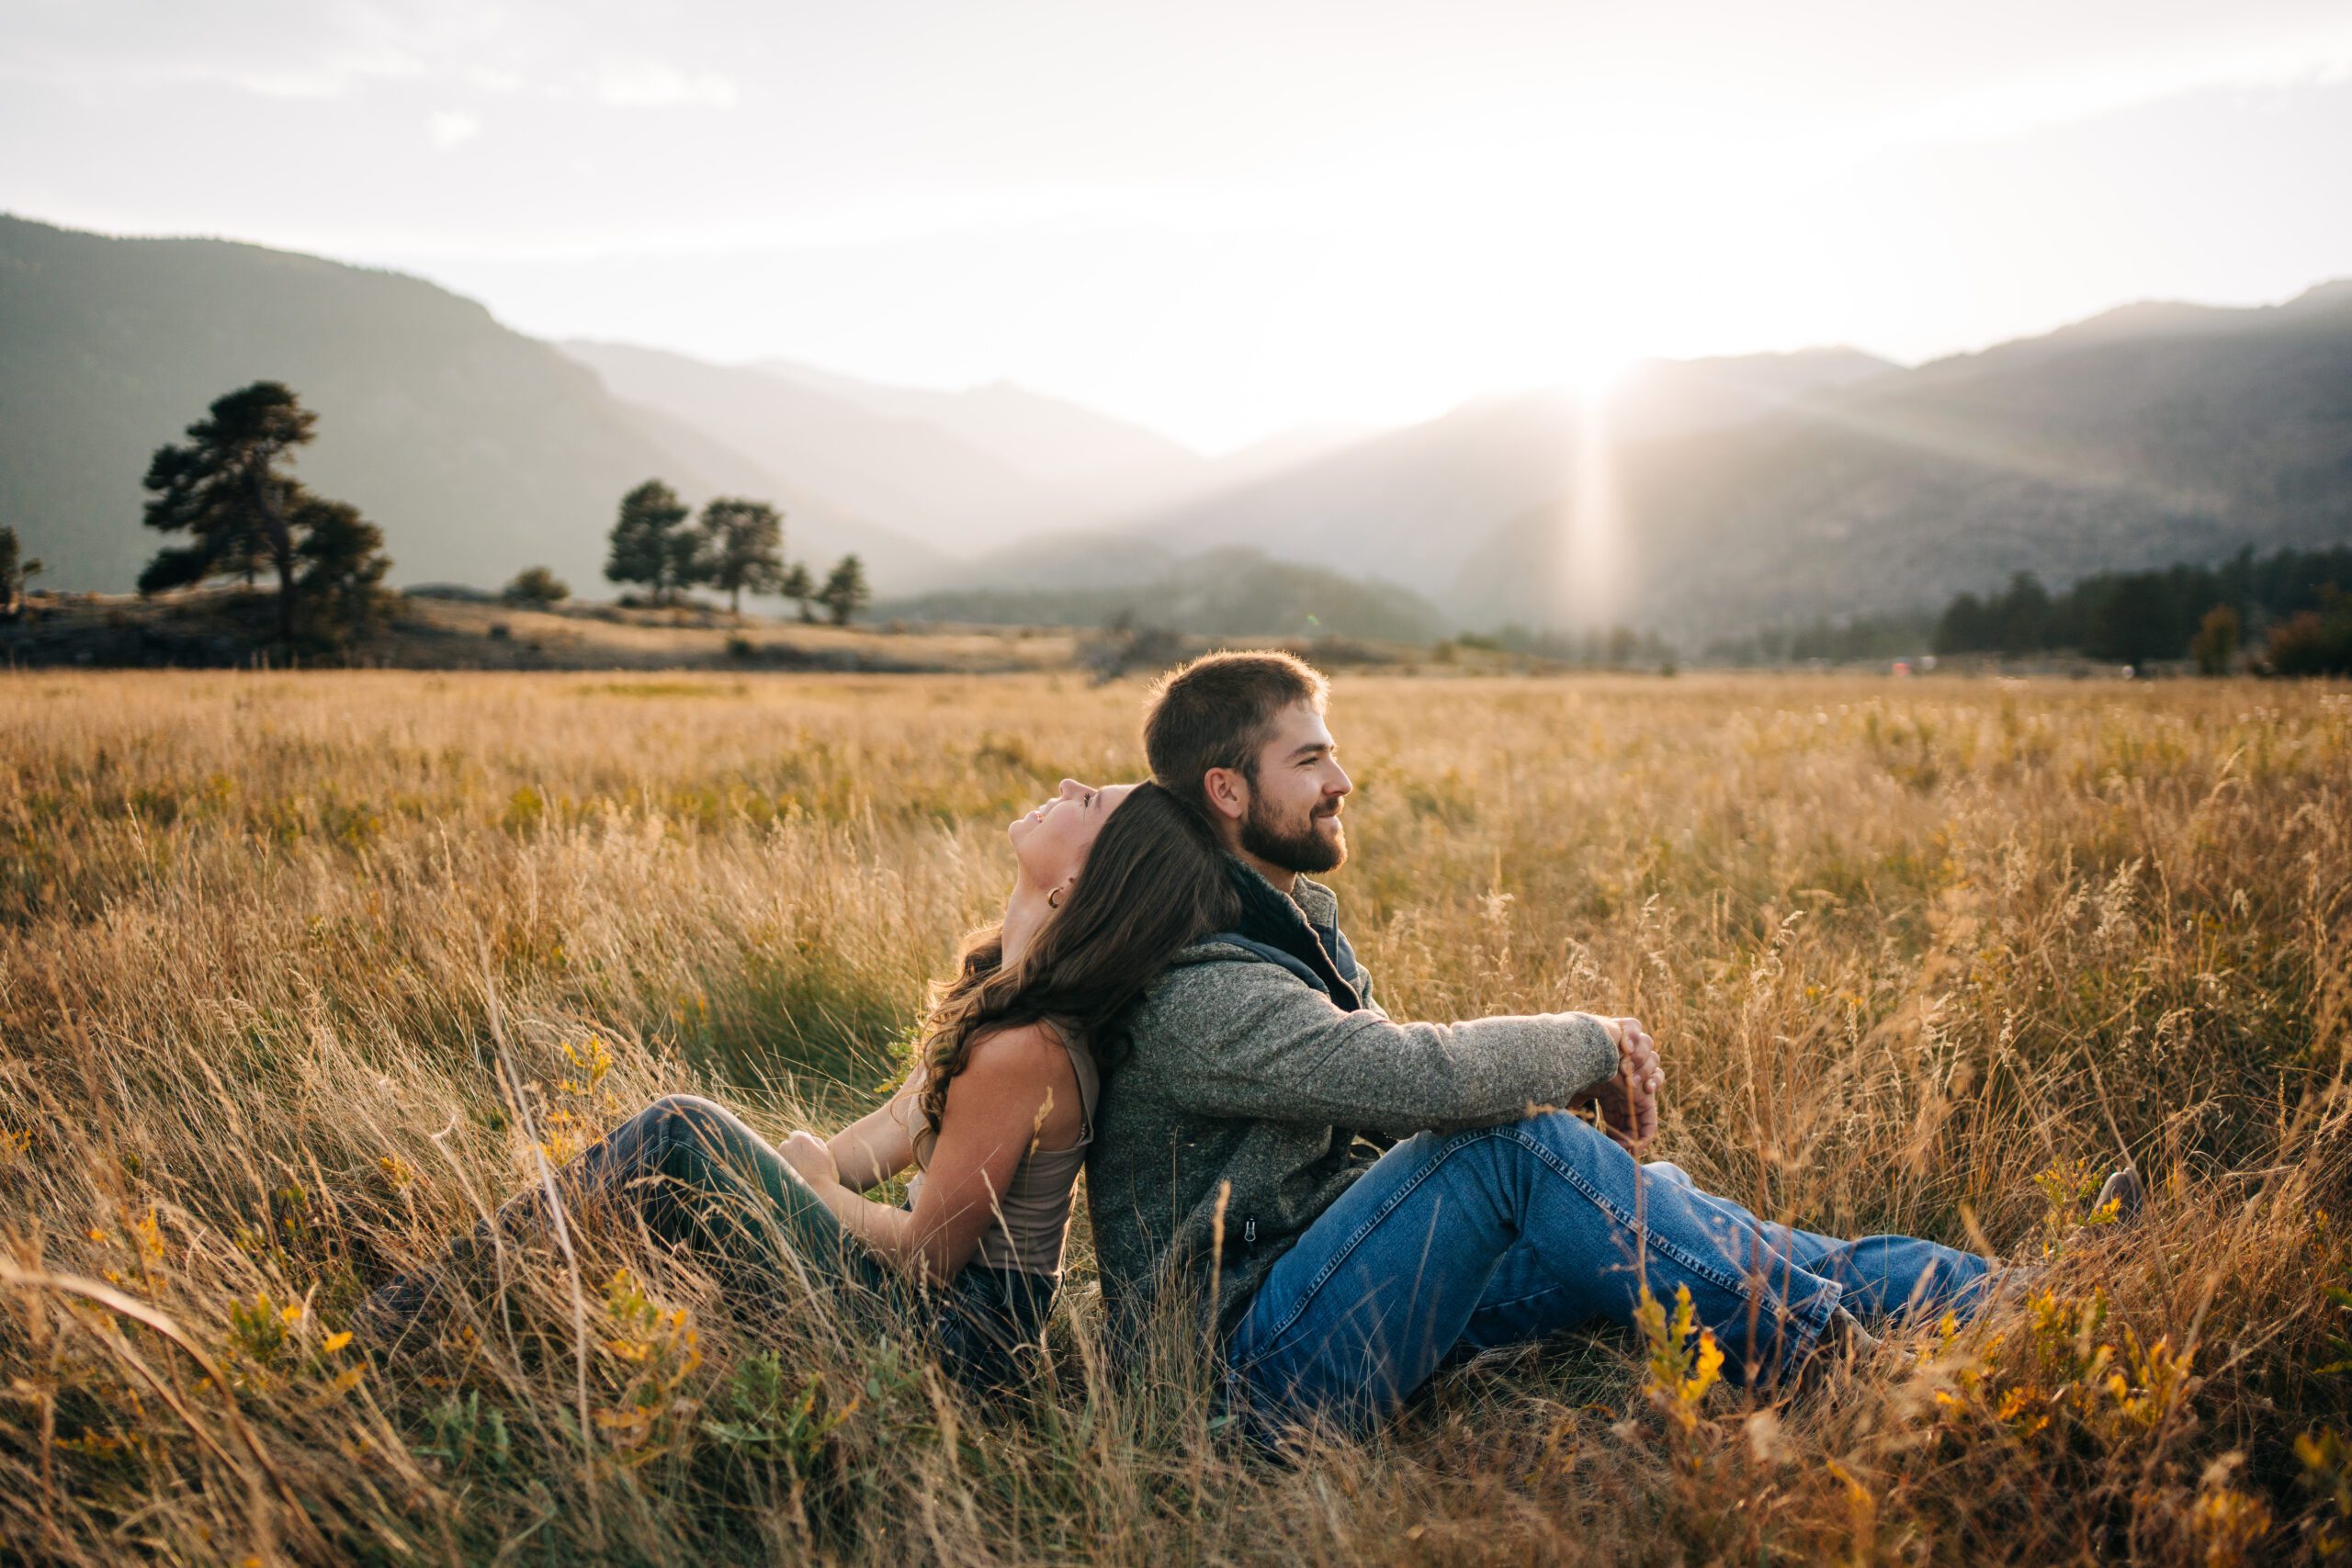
(1222, 219)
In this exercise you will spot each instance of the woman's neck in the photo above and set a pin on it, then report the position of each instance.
(1025, 914)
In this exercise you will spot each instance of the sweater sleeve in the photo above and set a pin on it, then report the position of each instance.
(1258, 1043)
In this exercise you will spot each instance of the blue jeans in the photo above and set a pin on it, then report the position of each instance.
(1502, 1236)
(694, 1177)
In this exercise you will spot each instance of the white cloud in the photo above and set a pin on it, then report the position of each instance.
(446, 128)
(637, 83)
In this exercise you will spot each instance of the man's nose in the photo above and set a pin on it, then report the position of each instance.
(1340, 783)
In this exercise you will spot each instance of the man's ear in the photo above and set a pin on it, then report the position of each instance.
(1228, 792)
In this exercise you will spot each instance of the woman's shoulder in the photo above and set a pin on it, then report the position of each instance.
(1017, 1044)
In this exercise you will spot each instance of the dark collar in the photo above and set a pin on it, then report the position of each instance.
(1270, 919)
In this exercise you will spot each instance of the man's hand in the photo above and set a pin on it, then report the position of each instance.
(810, 1160)
(1628, 1100)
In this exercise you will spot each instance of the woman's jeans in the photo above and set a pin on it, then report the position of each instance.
(1455, 1243)
(694, 1177)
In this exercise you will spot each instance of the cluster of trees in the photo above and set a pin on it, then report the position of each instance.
(1601, 648)
(735, 545)
(226, 488)
(2297, 597)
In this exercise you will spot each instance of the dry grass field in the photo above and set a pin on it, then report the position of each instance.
(295, 970)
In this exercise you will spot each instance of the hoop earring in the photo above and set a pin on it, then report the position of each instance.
(1054, 900)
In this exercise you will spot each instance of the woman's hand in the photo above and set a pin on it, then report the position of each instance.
(810, 1160)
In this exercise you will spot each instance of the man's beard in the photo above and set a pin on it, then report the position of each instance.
(1297, 849)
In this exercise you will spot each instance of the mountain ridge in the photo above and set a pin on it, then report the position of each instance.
(477, 449)
(2148, 438)
(1729, 492)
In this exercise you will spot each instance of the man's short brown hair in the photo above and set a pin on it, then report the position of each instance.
(1216, 712)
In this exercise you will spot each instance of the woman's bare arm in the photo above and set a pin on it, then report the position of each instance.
(875, 1147)
(1016, 1090)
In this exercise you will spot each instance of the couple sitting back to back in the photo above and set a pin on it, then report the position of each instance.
(1343, 1201)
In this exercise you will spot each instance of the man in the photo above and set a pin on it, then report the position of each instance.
(1243, 1155)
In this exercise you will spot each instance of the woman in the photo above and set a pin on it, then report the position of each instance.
(1108, 885)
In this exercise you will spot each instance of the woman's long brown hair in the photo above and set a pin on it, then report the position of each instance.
(1154, 881)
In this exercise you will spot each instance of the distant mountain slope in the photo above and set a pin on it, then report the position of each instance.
(894, 468)
(1409, 505)
(2146, 437)
(1227, 592)
(1102, 464)
(477, 449)
(1742, 491)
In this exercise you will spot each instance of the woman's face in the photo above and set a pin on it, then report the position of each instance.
(1050, 842)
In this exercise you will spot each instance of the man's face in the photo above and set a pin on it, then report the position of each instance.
(1293, 817)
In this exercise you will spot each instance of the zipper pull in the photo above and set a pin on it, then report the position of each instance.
(1249, 1231)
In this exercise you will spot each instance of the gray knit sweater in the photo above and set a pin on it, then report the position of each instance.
(1233, 1111)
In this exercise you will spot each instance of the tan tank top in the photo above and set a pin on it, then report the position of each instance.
(1033, 1216)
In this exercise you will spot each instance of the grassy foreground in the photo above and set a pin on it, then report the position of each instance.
(295, 970)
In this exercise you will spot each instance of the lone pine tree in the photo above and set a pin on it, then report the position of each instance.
(226, 488)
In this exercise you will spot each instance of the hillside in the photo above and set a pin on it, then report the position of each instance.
(1410, 505)
(953, 495)
(1231, 591)
(2148, 435)
(1102, 464)
(477, 449)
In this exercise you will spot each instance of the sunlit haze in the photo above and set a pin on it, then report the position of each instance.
(1222, 220)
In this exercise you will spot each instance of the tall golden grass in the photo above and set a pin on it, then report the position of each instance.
(297, 973)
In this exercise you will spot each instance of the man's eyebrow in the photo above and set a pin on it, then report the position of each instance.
(1313, 746)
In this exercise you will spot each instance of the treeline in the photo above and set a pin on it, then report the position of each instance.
(1600, 647)
(1866, 640)
(2295, 600)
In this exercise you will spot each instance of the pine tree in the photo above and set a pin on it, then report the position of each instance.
(225, 487)
(15, 572)
(846, 592)
(342, 578)
(800, 588)
(743, 546)
(650, 543)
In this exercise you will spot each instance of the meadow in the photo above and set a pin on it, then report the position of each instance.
(296, 972)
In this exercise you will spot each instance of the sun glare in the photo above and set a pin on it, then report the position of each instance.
(1593, 379)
